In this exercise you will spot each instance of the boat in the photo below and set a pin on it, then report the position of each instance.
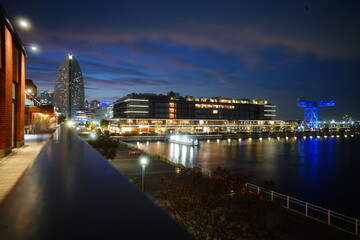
(184, 139)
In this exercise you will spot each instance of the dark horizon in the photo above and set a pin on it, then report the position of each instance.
(276, 51)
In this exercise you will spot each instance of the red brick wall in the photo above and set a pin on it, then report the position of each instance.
(7, 76)
(20, 96)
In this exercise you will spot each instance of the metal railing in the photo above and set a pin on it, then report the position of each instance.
(315, 212)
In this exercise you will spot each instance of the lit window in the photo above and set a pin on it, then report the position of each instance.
(171, 110)
(215, 111)
(171, 115)
(171, 105)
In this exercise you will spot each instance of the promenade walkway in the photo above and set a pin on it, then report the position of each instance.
(300, 228)
(71, 192)
(13, 166)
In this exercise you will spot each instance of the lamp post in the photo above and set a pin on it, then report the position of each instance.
(143, 161)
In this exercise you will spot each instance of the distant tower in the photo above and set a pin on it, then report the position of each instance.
(311, 116)
(69, 94)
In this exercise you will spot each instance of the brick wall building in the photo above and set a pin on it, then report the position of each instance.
(12, 87)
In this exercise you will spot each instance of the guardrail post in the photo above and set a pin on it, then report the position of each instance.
(329, 213)
(356, 227)
(272, 195)
(287, 202)
(258, 190)
(306, 209)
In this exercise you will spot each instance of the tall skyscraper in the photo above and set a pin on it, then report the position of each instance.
(69, 94)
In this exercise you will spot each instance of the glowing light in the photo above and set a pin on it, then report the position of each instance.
(218, 140)
(278, 138)
(143, 160)
(70, 123)
(208, 140)
(147, 143)
(346, 136)
(295, 138)
(287, 138)
(24, 23)
(337, 136)
(332, 136)
(318, 136)
(269, 138)
(158, 142)
(229, 140)
(325, 136)
(260, 139)
(250, 139)
(352, 135)
(70, 56)
(311, 136)
(304, 137)
(93, 135)
(239, 139)
(138, 143)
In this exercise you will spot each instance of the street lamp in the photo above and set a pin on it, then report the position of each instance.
(143, 161)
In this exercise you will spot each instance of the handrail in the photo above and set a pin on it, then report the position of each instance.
(332, 218)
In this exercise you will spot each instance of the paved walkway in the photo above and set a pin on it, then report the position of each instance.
(13, 166)
(300, 227)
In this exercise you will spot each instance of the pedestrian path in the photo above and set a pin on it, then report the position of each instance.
(13, 166)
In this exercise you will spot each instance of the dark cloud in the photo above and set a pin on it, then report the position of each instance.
(273, 50)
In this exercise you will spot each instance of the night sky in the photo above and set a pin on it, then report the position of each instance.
(273, 50)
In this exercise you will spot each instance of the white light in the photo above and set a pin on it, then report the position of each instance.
(352, 135)
(325, 136)
(208, 140)
(70, 56)
(24, 23)
(250, 139)
(158, 142)
(93, 135)
(346, 136)
(147, 143)
(138, 143)
(278, 138)
(239, 139)
(304, 137)
(332, 136)
(337, 136)
(218, 140)
(318, 136)
(269, 138)
(311, 136)
(143, 161)
(229, 139)
(286, 138)
(295, 137)
(260, 139)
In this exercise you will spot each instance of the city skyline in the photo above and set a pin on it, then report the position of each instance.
(273, 51)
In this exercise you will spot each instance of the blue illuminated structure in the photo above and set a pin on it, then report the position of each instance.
(311, 116)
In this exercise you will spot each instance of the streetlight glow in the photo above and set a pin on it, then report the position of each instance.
(143, 161)
(23, 23)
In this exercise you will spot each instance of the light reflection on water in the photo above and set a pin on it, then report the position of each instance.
(323, 171)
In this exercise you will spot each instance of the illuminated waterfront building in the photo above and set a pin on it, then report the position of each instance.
(160, 113)
(69, 95)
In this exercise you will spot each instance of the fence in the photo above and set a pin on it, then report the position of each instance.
(327, 216)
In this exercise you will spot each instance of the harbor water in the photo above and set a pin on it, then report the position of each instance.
(319, 170)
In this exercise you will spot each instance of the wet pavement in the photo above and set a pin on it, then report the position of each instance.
(71, 192)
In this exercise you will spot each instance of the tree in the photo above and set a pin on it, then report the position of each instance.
(105, 145)
(218, 207)
(104, 124)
